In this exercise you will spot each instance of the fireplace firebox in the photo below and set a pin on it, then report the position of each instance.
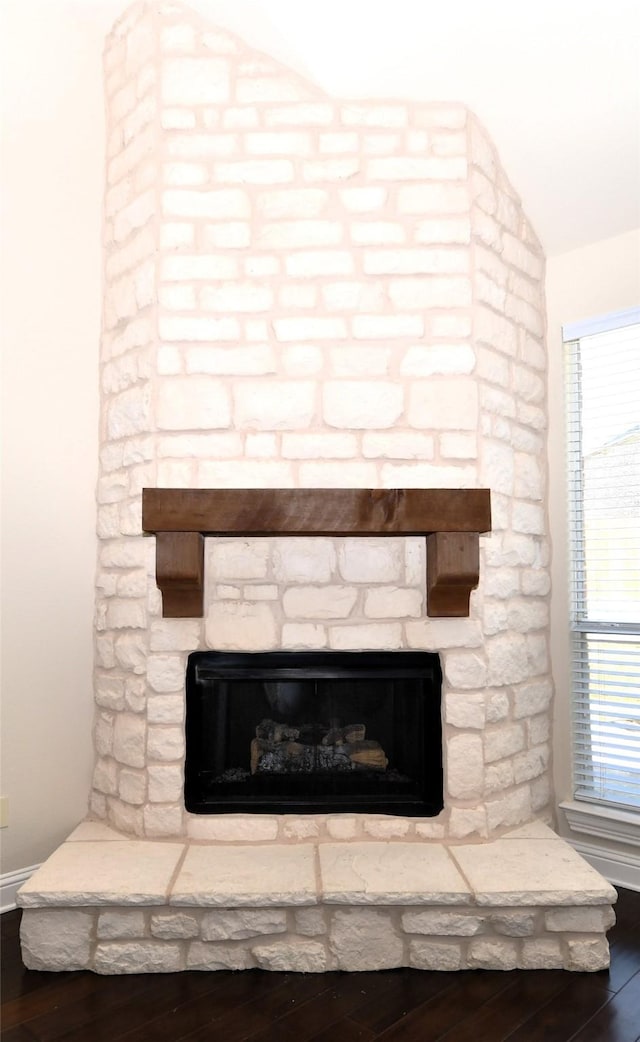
(295, 732)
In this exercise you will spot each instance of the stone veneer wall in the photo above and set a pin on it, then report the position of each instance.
(301, 291)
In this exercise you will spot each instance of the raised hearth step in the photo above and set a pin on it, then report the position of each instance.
(118, 905)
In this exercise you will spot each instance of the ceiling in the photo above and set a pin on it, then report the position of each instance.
(556, 83)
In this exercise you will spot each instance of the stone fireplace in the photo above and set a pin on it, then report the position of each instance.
(301, 293)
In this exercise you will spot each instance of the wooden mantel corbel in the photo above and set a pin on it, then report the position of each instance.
(450, 519)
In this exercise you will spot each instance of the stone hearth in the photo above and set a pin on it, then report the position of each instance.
(115, 905)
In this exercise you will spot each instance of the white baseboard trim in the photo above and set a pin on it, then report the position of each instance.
(618, 868)
(10, 883)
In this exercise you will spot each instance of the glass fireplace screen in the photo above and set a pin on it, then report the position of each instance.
(314, 732)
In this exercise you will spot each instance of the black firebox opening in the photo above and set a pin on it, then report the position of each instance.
(314, 732)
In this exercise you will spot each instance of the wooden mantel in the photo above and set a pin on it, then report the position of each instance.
(450, 519)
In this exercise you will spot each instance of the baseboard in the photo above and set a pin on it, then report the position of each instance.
(618, 868)
(10, 883)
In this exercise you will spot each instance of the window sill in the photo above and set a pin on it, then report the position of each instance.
(610, 823)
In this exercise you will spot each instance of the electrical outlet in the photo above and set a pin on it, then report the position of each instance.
(4, 811)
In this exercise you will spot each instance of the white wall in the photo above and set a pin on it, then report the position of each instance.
(52, 169)
(594, 280)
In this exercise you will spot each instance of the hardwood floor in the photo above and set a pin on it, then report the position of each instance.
(388, 1006)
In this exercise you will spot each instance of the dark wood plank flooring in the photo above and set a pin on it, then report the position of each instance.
(388, 1006)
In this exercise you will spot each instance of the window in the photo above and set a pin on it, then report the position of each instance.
(603, 388)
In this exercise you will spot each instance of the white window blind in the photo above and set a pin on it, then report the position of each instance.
(603, 387)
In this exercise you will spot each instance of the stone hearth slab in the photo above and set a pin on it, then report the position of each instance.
(94, 831)
(531, 871)
(116, 905)
(230, 877)
(389, 874)
(129, 872)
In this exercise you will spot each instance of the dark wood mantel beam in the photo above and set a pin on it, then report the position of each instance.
(451, 518)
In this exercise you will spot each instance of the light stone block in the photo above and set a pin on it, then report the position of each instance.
(165, 743)
(531, 764)
(165, 783)
(380, 635)
(531, 872)
(403, 445)
(281, 876)
(173, 926)
(188, 402)
(138, 957)
(56, 939)
(465, 821)
(390, 873)
(465, 710)
(544, 953)
(121, 924)
(431, 955)
(430, 830)
(337, 475)
(129, 737)
(511, 809)
(364, 939)
(387, 327)
(195, 81)
(132, 786)
(166, 709)
(300, 828)
(332, 445)
(166, 672)
(174, 634)
(464, 766)
(532, 698)
(238, 360)
(319, 602)
(163, 819)
(304, 635)
(444, 404)
(464, 669)
(131, 872)
(503, 741)
(514, 924)
(442, 634)
(203, 956)
(241, 626)
(392, 603)
(445, 924)
(233, 828)
(362, 404)
(291, 956)
(304, 560)
(579, 920)
(236, 925)
(386, 828)
(430, 359)
(342, 827)
(310, 922)
(507, 658)
(105, 776)
(276, 405)
(286, 235)
(278, 204)
(367, 561)
(237, 559)
(489, 954)
(588, 955)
